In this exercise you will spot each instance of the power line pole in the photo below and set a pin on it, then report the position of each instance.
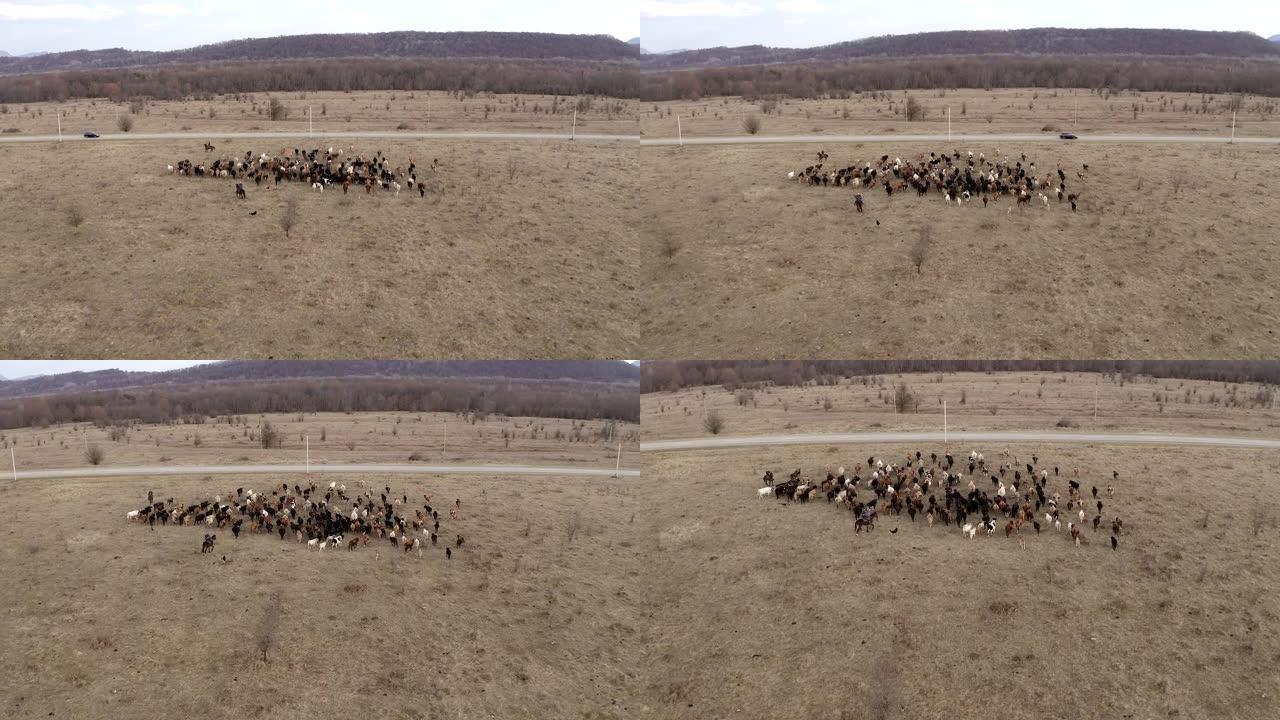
(1233, 126)
(679, 131)
(944, 422)
(617, 470)
(14, 460)
(308, 439)
(574, 132)
(59, 126)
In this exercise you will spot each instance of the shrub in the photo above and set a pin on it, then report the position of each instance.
(904, 400)
(75, 216)
(713, 422)
(277, 110)
(95, 455)
(1066, 423)
(270, 437)
(915, 111)
(752, 124)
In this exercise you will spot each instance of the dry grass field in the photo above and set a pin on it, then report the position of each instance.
(358, 438)
(536, 616)
(385, 111)
(973, 111)
(520, 250)
(771, 609)
(1014, 401)
(1171, 254)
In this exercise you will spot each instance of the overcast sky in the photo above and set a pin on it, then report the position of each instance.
(54, 25)
(690, 24)
(14, 369)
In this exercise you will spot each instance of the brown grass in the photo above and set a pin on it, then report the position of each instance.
(761, 597)
(1044, 283)
(1023, 401)
(1015, 110)
(161, 630)
(540, 266)
(382, 438)
(426, 111)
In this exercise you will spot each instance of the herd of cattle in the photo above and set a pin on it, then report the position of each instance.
(320, 168)
(958, 178)
(320, 517)
(1013, 498)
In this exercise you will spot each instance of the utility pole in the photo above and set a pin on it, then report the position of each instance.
(617, 470)
(14, 460)
(948, 123)
(308, 439)
(1233, 126)
(944, 422)
(310, 127)
(445, 455)
(59, 126)
(574, 132)
(679, 131)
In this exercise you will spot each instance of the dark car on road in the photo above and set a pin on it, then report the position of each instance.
(1066, 136)
(91, 134)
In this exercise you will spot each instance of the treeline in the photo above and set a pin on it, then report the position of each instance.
(1075, 42)
(661, 376)
(811, 80)
(172, 82)
(405, 44)
(256, 370)
(552, 399)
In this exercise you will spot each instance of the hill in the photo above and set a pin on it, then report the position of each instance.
(248, 371)
(1274, 38)
(1031, 41)
(411, 44)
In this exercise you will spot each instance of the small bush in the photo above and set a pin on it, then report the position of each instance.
(125, 123)
(75, 216)
(1067, 423)
(95, 455)
(920, 249)
(752, 124)
(915, 111)
(713, 422)
(9, 131)
(270, 437)
(276, 109)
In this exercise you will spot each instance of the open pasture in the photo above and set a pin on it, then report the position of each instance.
(534, 617)
(1171, 248)
(973, 111)
(772, 608)
(519, 249)
(382, 111)
(334, 438)
(1011, 401)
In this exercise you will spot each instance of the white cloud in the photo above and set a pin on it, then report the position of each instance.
(801, 6)
(698, 8)
(58, 11)
(166, 9)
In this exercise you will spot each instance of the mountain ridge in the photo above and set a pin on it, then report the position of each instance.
(246, 371)
(315, 46)
(1025, 41)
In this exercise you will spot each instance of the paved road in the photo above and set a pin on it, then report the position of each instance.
(203, 136)
(756, 139)
(316, 469)
(960, 438)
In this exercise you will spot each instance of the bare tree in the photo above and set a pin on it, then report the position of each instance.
(752, 124)
(915, 111)
(125, 122)
(95, 455)
(713, 422)
(277, 110)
